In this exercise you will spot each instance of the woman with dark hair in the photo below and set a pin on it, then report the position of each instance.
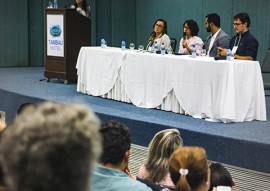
(190, 38)
(81, 7)
(159, 35)
(220, 176)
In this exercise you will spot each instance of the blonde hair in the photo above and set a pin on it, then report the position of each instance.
(195, 161)
(161, 147)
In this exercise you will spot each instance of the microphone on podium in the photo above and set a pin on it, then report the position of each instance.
(68, 5)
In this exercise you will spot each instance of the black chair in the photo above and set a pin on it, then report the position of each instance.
(266, 68)
(173, 44)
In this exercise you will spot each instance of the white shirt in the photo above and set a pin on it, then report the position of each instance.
(164, 38)
(213, 38)
(197, 41)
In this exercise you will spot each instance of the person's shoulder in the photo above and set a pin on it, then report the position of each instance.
(138, 186)
(165, 36)
(223, 33)
(143, 172)
(198, 39)
(130, 184)
(250, 37)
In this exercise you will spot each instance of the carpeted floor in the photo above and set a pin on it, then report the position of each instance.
(244, 144)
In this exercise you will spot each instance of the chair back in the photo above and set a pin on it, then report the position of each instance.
(266, 62)
(173, 44)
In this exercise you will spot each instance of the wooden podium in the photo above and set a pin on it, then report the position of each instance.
(66, 31)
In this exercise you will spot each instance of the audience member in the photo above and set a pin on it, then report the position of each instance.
(51, 147)
(2, 122)
(190, 38)
(159, 35)
(218, 37)
(112, 172)
(244, 45)
(220, 176)
(81, 7)
(25, 105)
(156, 166)
(189, 169)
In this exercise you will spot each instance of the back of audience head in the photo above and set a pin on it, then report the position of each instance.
(163, 144)
(24, 106)
(52, 151)
(193, 26)
(116, 142)
(220, 176)
(189, 169)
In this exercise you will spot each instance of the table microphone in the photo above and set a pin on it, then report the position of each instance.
(220, 58)
(184, 37)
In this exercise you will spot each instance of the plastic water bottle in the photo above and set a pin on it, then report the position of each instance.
(123, 45)
(229, 55)
(163, 49)
(155, 47)
(55, 4)
(103, 43)
(193, 51)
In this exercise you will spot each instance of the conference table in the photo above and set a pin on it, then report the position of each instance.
(218, 91)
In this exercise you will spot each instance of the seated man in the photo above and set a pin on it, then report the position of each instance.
(218, 37)
(243, 45)
(112, 173)
(51, 147)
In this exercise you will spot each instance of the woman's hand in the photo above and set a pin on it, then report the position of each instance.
(184, 43)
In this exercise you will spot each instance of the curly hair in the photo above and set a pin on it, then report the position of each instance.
(193, 26)
(116, 141)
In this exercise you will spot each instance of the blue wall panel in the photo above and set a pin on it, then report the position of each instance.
(14, 33)
(22, 29)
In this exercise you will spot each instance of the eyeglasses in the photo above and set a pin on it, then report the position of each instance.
(236, 24)
(159, 26)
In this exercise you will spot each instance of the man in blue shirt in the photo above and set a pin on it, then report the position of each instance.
(112, 173)
(244, 45)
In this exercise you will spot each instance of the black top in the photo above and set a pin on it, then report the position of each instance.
(248, 45)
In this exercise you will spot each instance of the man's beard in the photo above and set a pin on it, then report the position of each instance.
(208, 29)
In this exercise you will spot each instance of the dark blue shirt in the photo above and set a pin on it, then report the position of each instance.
(248, 45)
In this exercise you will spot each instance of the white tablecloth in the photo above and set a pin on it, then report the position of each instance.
(228, 91)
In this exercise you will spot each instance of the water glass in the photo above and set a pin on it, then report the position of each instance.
(50, 4)
(169, 50)
(140, 48)
(131, 46)
(203, 52)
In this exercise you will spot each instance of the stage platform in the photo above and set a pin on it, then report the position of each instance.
(245, 145)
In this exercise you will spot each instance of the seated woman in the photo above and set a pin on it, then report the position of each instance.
(81, 7)
(159, 35)
(220, 176)
(156, 166)
(190, 38)
(189, 169)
